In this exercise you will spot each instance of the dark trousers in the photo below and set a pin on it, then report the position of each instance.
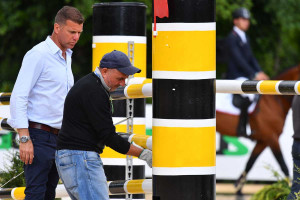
(296, 172)
(41, 176)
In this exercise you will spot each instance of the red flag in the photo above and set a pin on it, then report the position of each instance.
(161, 10)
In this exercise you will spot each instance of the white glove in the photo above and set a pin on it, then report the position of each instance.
(146, 155)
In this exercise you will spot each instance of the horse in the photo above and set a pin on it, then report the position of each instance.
(266, 123)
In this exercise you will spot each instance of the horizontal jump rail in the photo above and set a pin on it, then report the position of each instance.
(144, 141)
(266, 87)
(144, 90)
(138, 186)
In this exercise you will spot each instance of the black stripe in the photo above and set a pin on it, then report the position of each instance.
(183, 99)
(124, 135)
(250, 87)
(189, 187)
(189, 11)
(117, 187)
(114, 172)
(120, 108)
(5, 98)
(5, 193)
(119, 19)
(6, 126)
(287, 87)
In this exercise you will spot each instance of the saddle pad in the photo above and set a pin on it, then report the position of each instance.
(224, 104)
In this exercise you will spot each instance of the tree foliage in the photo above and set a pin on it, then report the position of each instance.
(275, 32)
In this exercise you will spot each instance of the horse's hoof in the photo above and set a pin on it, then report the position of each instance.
(240, 196)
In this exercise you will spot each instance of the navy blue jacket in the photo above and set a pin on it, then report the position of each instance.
(241, 62)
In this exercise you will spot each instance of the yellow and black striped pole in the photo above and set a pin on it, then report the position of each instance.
(184, 70)
(4, 98)
(139, 186)
(122, 26)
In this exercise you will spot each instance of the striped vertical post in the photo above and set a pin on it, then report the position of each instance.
(184, 152)
(122, 26)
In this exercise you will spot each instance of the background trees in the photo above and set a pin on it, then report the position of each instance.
(275, 32)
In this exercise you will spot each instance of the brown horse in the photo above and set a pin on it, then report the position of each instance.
(266, 124)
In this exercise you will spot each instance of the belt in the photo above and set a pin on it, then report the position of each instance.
(43, 127)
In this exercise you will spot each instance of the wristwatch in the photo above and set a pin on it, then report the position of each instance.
(24, 139)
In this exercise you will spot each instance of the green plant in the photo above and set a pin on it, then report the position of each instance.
(277, 191)
(12, 171)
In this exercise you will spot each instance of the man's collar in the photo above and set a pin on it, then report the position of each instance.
(240, 33)
(98, 73)
(54, 48)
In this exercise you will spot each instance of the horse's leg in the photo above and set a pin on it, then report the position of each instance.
(259, 147)
(276, 150)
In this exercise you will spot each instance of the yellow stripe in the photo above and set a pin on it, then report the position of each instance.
(147, 80)
(140, 140)
(19, 193)
(298, 88)
(268, 87)
(184, 147)
(5, 94)
(139, 54)
(137, 129)
(135, 91)
(184, 51)
(135, 186)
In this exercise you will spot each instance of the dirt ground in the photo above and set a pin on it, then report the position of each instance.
(218, 197)
(226, 192)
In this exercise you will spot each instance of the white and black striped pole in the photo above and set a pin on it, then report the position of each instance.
(184, 124)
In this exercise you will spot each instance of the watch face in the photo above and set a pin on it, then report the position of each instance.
(24, 139)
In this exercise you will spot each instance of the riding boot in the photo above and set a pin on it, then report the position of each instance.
(243, 103)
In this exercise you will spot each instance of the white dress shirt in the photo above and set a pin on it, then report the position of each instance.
(41, 87)
(241, 33)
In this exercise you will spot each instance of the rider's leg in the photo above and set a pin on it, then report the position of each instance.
(243, 104)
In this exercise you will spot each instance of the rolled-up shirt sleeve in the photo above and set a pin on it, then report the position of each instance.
(32, 67)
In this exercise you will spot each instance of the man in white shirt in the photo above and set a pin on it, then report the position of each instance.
(242, 64)
(37, 101)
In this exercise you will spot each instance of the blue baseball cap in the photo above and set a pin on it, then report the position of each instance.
(118, 60)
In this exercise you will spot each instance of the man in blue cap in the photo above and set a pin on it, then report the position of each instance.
(87, 128)
(242, 64)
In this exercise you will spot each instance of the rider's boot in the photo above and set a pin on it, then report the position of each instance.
(243, 103)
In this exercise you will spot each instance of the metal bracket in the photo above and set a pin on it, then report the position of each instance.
(129, 115)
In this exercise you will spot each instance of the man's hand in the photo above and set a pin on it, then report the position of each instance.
(146, 155)
(26, 149)
(143, 154)
(261, 76)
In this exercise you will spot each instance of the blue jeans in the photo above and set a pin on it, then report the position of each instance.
(41, 176)
(296, 170)
(82, 174)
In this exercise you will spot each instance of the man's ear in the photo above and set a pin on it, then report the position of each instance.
(56, 28)
(103, 71)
